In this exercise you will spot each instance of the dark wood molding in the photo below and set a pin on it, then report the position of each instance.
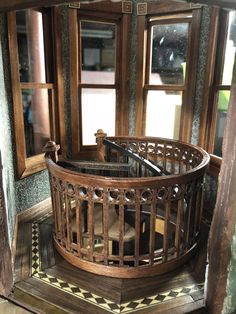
(224, 219)
(22, 4)
(74, 80)
(61, 137)
(227, 4)
(12, 5)
(6, 275)
(16, 94)
(191, 78)
(106, 6)
(122, 124)
(206, 115)
(140, 70)
(38, 210)
(166, 6)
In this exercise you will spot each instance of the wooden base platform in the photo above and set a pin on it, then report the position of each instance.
(45, 283)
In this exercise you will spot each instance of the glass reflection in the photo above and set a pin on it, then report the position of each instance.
(98, 112)
(230, 51)
(163, 114)
(169, 51)
(98, 41)
(36, 119)
(223, 102)
(30, 41)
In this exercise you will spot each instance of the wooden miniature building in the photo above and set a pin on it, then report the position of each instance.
(141, 219)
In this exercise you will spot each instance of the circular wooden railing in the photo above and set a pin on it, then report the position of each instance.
(117, 218)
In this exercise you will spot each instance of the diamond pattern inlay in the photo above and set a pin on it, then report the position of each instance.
(108, 305)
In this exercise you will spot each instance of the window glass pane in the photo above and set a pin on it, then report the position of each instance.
(98, 44)
(223, 102)
(30, 46)
(36, 119)
(168, 53)
(163, 114)
(98, 112)
(230, 50)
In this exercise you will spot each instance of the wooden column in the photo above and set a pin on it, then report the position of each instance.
(6, 277)
(224, 219)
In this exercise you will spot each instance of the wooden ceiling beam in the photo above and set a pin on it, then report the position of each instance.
(226, 4)
(11, 5)
(22, 4)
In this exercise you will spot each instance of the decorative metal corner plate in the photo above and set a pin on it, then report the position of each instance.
(127, 7)
(195, 5)
(74, 5)
(142, 8)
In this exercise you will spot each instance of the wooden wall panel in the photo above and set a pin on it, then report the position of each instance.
(224, 220)
(6, 277)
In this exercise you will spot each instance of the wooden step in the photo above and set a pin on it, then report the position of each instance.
(113, 229)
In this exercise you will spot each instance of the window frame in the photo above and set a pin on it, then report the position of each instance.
(214, 66)
(160, 10)
(26, 166)
(114, 13)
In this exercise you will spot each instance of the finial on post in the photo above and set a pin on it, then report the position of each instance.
(101, 150)
(51, 149)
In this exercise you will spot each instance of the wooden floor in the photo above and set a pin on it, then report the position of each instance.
(45, 283)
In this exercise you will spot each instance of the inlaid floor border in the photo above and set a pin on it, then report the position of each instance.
(96, 300)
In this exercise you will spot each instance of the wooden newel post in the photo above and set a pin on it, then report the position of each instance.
(51, 149)
(101, 150)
